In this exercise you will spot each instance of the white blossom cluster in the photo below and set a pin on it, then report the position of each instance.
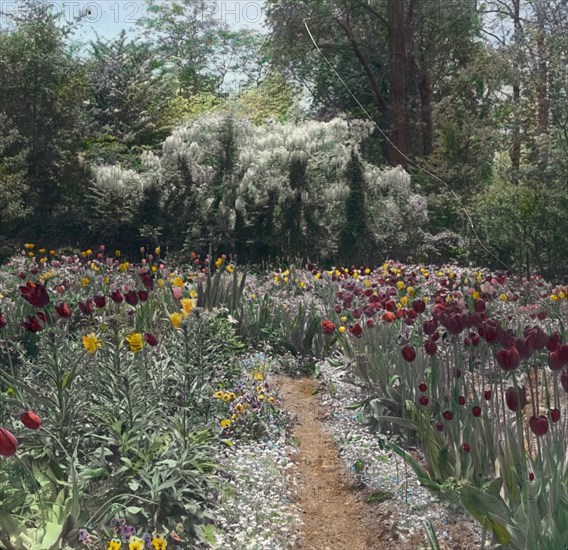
(256, 509)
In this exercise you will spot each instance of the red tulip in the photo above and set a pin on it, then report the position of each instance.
(461, 400)
(555, 361)
(476, 411)
(35, 293)
(564, 379)
(553, 341)
(531, 476)
(538, 426)
(516, 401)
(100, 301)
(86, 307)
(147, 280)
(63, 310)
(408, 353)
(439, 426)
(430, 347)
(448, 415)
(327, 326)
(131, 298)
(508, 359)
(429, 327)
(8, 442)
(357, 312)
(143, 295)
(423, 386)
(31, 420)
(116, 296)
(487, 395)
(466, 447)
(419, 306)
(356, 330)
(2, 320)
(479, 305)
(32, 324)
(151, 339)
(388, 316)
(555, 415)
(423, 400)
(370, 323)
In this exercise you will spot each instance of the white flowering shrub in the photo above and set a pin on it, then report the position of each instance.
(280, 189)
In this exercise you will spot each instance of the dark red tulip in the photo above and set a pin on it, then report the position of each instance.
(448, 415)
(100, 301)
(466, 447)
(143, 295)
(42, 317)
(423, 386)
(439, 426)
(8, 442)
(22, 275)
(370, 323)
(531, 476)
(357, 312)
(63, 310)
(408, 353)
(487, 395)
(86, 307)
(538, 426)
(554, 361)
(476, 411)
(541, 315)
(461, 400)
(479, 305)
(31, 420)
(516, 401)
(327, 326)
(555, 415)
(430, 347)
(458, 373)
(131, 297)
(356, 330)
(33, 324)
(419, 306)
(116, 296)
(151, 339)
(423, 400)
(147, 280)
(562, 351)
(429, 327)
(338, 309)
(35, 293)
(564, 379)
(508, 359)
(2, 320)
(553, 341)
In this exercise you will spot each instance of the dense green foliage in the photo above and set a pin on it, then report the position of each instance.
(108, 142)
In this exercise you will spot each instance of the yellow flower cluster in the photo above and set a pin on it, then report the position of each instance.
(135, 342)
(91, 343)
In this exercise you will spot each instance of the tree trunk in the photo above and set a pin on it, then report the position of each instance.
(397, 150)
(542, 85)
(426, 97)
(515, 153)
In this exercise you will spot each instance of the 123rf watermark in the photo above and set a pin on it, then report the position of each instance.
(129, 11)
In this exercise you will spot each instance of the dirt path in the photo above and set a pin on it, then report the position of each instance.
(335, 517)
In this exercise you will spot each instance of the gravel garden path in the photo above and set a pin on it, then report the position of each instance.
(381, 506)
(334, 515)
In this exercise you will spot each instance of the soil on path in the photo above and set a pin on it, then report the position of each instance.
(335, 517)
